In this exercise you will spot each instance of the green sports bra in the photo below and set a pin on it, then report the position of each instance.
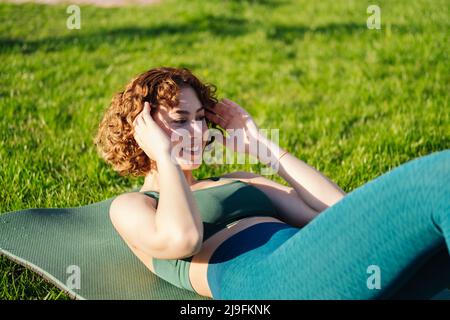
(219, 206)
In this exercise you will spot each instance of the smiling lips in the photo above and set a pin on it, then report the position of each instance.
(192, 150)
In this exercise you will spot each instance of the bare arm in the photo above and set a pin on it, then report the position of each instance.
(174, 229)
(318, 191)
(313, 187)
(290, 208)
(177, 211)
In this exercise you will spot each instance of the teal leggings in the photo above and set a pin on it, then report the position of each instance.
(388, 239)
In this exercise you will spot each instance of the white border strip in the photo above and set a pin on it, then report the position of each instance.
(47, 276)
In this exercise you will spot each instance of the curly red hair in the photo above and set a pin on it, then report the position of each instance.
(160, 86)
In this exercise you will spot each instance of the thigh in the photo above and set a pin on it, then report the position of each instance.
(383, 230)
(433, 277)
(236, 258)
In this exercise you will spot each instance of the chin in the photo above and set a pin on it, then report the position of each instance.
(190, 161)
(189, 167)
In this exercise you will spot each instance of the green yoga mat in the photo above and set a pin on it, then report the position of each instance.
(79, 251)
(62, 243)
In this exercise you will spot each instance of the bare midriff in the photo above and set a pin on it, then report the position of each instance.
(199, 264)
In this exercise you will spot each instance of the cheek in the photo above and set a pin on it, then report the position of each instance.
(178, 135)
(169, 131)
(205, 132)
(205, 135)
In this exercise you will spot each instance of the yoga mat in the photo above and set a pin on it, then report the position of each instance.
(65, 244)
(78, 250)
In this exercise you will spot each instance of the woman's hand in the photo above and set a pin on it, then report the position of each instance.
(149, 136)
(230, 116)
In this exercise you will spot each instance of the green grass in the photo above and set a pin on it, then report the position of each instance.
(350, 101)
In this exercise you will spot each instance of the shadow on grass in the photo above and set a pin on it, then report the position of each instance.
(190, 32)
(265, 3)
(290, 33)
(218, 26)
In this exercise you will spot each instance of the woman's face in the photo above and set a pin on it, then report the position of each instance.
(186, 127)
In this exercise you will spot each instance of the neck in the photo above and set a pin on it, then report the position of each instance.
(151, 180)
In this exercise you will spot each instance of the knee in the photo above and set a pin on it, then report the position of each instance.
(436, 164)
(439, 164)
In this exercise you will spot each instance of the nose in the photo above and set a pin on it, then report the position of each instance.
(197, 127)
(192, 133)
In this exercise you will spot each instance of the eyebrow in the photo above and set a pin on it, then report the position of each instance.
(187, 112)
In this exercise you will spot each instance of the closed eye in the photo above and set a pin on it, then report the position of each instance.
(182, 121)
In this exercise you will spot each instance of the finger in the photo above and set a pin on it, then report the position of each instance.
(220, 110)
(213, 114)
(227, 101)
(138, 120)
(146, 113)
(225, 109)
(215, 118)
(226, 117)
(234, 107)
(173, 132)
(137, 139)
(230, 103)
(135, 120)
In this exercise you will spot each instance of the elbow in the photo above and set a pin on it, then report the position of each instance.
(196, 246)
(188, 244)
(194, 243)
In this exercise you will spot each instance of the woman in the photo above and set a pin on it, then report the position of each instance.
(243, 236)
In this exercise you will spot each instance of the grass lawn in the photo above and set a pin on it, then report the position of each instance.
(350, 101)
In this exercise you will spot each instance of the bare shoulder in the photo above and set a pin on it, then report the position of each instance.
(129, 212)
(133, 216)
(131, 203)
